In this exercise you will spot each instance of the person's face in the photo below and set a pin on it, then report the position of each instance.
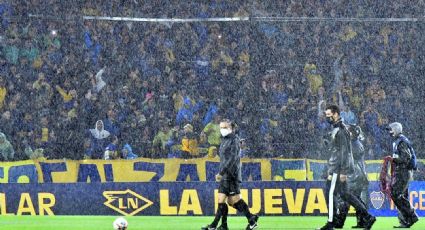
(99, 125)
(187, 130)
(331, 116)
(225, 125)
(27, 117)
(6, 115)
(44, 121)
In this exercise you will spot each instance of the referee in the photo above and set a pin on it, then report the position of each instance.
(341, 164)
(230, 177)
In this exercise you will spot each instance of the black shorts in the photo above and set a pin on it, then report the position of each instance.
(229, 187)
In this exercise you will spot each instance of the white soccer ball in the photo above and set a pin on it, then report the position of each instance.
(120, 224)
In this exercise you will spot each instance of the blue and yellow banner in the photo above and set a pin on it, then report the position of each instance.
(143, 170)
(279, 198)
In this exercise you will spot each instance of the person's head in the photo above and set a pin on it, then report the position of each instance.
(188, 128)
(27, 116)
(115, 140)
(395, 129)
(124, 152)
(44, 121)
(332, 113)
(212, 152)
(99, 125)
(6, 115)
(217, 119)
(73, 93)
(41, 77)
(355, 132)
(347, 108)
(227, 127)
(111, 114)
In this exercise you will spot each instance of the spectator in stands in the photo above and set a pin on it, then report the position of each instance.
(97, 82)
(348, 116)
(43, 91)
(314, 78)
(3, 92)
(371, 120)
(279, 96)
(127, 153)
(146, 142)
(44, 134)
(189, 142)
(185, 114)
(26, 127)
(161, 139)
(111, 123)
(111, 151)
(375, 92)
(212, 131)
(6, 149)
(37, 154)
(69, 96)
(7, 125)
(99, 139)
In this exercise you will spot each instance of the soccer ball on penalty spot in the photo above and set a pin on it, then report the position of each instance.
(120, 224)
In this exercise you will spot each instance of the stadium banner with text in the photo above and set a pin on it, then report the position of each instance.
(279, 198)
(144, 170)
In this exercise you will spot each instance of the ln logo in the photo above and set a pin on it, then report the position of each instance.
(126, 202)
(377, 199)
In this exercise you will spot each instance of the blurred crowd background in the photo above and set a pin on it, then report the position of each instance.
(76, 88)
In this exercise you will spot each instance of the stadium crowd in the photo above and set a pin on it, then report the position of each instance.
(74, 88)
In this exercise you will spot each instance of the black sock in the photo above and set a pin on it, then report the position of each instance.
(219, 213)
(224, 212)
(242, 207)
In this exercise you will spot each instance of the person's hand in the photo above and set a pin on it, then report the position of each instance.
(218, 177)
(329, 177)
(342, 177)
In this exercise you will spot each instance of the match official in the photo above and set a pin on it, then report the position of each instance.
(230, 177)
(341, 164)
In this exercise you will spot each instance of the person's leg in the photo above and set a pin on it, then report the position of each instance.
(223, 191)
(360, 207)
(357, 192)
(331, 191)
(399, 194)
(342, 208)
(331, 196)
(239, 204)
(235, 200)
(221, 210)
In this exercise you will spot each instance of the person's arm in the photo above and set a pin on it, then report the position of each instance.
(341, 143)
(207, 129)
(157, 140)
(99, 74)
(65, 96)
(404, 155)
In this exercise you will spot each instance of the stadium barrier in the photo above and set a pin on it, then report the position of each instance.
(281, 198)
(143, 170)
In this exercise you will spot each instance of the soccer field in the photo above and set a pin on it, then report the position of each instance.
(175, 223)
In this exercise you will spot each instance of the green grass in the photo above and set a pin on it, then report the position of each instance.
(175, 223)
